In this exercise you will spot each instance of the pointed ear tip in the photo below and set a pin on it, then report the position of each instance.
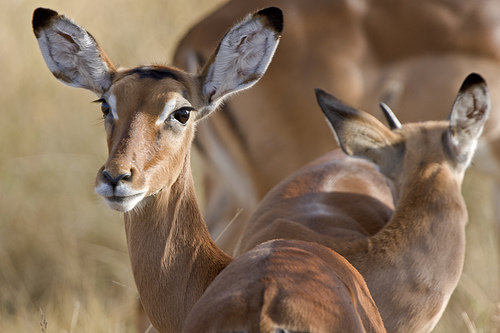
(324, 100)
(42, 18)
(274, 16)
(324, 97)
(320, 93)
(471, 80)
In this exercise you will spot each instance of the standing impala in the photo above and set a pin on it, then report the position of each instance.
(150, 114)
(408, 244)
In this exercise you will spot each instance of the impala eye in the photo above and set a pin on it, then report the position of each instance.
(105, 108)
(182, 115)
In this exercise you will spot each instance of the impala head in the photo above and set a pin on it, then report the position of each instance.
(449, 142)
(150, 112)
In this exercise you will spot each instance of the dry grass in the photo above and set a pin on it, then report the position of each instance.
(63, 260)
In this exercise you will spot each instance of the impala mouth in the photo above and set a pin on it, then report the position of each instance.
(124, 203)
(120, 198)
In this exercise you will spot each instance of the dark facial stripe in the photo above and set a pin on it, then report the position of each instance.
(155, 73)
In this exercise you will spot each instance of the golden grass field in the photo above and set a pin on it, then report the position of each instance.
(63, 260)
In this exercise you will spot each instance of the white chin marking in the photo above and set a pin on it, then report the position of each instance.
(121, 198)
(124, 204)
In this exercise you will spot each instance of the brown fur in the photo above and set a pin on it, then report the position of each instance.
(173, 257)
(410, 255)
(293, 285)
(426, 248)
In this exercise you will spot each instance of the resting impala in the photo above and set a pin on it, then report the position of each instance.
(356, 48)
(150, 116)
(406, 239)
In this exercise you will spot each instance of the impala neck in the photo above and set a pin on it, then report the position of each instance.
(428, 222)
(173, 256)
(429, 201)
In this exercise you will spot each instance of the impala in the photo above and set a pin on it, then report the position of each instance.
(360, 50)
(150, 114)
(397, 215)
(150, 117)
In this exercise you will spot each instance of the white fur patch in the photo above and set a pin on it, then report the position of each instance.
(112, 105)
(169, 107)
(128, 198)
(243, 56)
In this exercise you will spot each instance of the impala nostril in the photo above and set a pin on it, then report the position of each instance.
(115, 180)
(107, 176)
(126, 176)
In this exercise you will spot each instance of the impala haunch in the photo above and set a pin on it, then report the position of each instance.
(287, 286)
(397, 215)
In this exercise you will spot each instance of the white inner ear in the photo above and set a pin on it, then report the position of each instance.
(243, 57)
(73, 56)
(470, 112)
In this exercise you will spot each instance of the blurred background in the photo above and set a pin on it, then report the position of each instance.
(64, 265)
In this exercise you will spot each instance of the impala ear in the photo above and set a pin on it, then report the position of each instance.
(71, 53)
(242, 56)
(467, 118)
(357, 132)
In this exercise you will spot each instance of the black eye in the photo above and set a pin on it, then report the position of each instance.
(105, 108)
(182, 115)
